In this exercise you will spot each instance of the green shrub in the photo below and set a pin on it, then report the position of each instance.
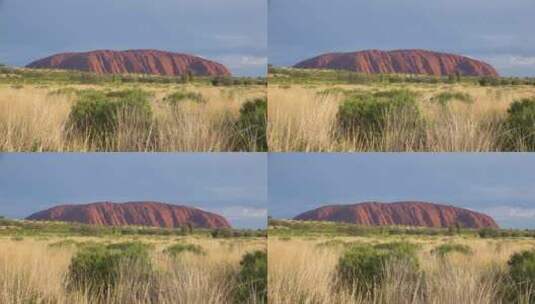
(366, 114)
(488, 233)
(521, 123)
(489, 81)
(331, 243)
(221, 233)
(522, 274)
(95, 269)
(253, 278)
(252, 125)
(178, 96)
(222, 81)
(363, 266)
(403, 248)
(445, 249)
(64, 91)
(17, 238)
(63, 243)
(95, 113)
(444, 97)
(177, 249)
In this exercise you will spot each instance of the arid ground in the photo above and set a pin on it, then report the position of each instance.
(37, 114)
(304, 115)
(89, 265)
(451, 267)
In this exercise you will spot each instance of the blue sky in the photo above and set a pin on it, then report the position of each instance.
(499, 184)
(497, 31)
(233, 185)
(233, 32)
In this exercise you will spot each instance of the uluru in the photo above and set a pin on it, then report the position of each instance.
(154, 62)
(401, 62)
(153, 214)
(406, 213)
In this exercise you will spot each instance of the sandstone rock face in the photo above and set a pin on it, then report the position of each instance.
(400, 213)
(133, 213)
(133, 61)
(400, 62)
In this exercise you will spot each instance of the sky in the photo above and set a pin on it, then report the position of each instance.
(232, 32)
(233, 185)
(497, 31)
(501, 185)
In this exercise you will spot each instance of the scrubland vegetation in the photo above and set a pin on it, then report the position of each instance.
(344, 111)
(329, 263)
(75, 111)
(50, 263)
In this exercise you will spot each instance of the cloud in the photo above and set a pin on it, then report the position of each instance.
(241, 212)
(503, 192)
(241, 61)
(506, 213)
(522, 61)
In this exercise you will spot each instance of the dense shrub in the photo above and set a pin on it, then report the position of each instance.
(521, 123)
(402, 248)
(178, 96)
(95, 269)
(444, 97)
(221, 233)
(522, 274)
(253, 278)
(177, 249)
(365, 114)
(331, 243)
(222, 81)
(63, 244)
(489, 81)
(363, 266)
(445, 249)
(488, 233)
(95, 113)
(230, 81)
(252, 125)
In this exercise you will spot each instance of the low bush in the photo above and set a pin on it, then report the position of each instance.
(178, 96)
(64, 91)
(177, 249)
(365, 114)
(488, 233)
(63, 244)
(363, 266)
(522, 274)
(252, 125)
(444, 97)
(96, 269)
(253, 278)
(331, 244)
(95, 115)
(520, 123)
(445, 249)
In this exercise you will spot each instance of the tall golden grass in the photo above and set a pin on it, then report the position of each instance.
(35, 118)
(300, 119)
(31, 271)
(300, 271)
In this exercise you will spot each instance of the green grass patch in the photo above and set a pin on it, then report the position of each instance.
(178, 249)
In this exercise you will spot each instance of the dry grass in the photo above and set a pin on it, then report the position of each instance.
(300, 119)
(302, 272)
(31, 271)
(32, 118)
